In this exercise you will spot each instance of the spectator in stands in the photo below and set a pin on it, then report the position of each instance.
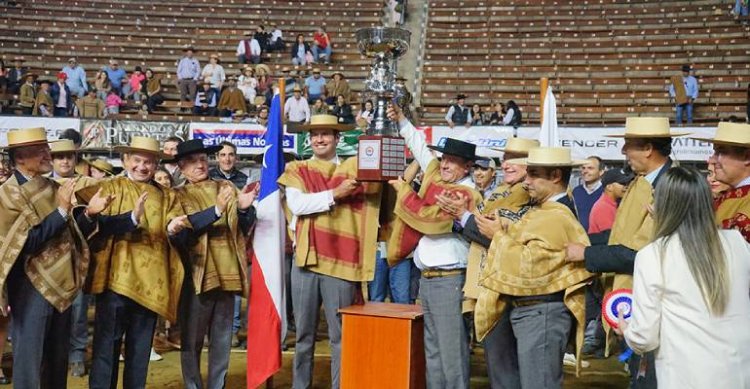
(152, 86)
(3, 77)
(365, 115)
(276, 41)
(459, 114)
(27, 96)
(690, 83)
(188, 73)
(249, 50)
(322, 46)
(76, 78)
(134, 85)
(337, 86)
(206, 100)
(343, 111)
(265, 82)
(315, 86)
(477, 116)
(262, 37)
(296, 109)
(61, 96)
(16, 75)
(496, 118)
(113, 103)
(289, 81)
(115, 75)
(301, 51)
(512, 115)
(586, 194)
(102, 84)
(226, 168)
(319, 108)
(262, 117)
(43, 105)
(214, 72)
(232, 99)
(91, 107)
(740, 10)
(248, 84)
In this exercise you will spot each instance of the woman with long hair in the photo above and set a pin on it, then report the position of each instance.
(103, 85)
(690, 291)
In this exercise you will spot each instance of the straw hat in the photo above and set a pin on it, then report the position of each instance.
(732, 134)
(647, 127)
(316, 70)
(216, 57)
(248, 67)
(548, 156)
(142, 144)
(264, 67)
(27, 137)
(324, 122)
(518, 146)
(62, 146)
(296, 88)
(102, 165)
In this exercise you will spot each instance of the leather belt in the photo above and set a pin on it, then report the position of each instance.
(435, 273)
(527, 301)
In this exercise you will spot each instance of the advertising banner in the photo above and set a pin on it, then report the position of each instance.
(122, 130)
(247, 137)
(54, 126)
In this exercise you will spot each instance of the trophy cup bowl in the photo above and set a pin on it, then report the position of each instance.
(381, 150)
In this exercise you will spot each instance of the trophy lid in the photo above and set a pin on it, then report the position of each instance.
(377, 41)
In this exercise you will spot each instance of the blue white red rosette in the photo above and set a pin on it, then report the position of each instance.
(614, 302)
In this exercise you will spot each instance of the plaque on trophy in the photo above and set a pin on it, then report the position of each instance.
(381, 154)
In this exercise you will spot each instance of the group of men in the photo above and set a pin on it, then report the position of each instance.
(514, 254)
(142, 250)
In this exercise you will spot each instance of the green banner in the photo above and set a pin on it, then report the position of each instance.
(347, 146)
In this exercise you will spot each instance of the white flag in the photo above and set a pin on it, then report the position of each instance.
(549, 136)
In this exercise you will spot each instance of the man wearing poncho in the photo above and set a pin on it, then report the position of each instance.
(541, 296)
(648, 144)
(136, 275)
(334, 220)
(212, 242)
(439, 250)
(732, 160)
(43, 260)
(505, 205)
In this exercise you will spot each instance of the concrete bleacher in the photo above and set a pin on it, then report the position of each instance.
(152, 34)
(606, 59)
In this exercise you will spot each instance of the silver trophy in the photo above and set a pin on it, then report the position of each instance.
(385, 46)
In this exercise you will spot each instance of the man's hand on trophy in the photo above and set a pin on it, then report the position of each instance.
(395, 114)
(344, 189)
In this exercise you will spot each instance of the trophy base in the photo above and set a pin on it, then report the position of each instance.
(380, 158)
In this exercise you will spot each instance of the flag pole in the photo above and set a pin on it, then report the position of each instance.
(543, 85)
(282, 96)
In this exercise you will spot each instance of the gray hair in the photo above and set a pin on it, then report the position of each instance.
(683, 207)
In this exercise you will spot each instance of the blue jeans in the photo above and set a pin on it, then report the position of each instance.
(739, 9)
(236, 317)
(396, 280)
(688, 109)
(316, 51)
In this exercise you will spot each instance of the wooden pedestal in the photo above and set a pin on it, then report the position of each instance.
(382, 346)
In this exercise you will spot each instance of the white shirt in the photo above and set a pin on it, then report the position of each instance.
(254, 47)
(557, 196)
(445, 251)
(297, 110)
(693, 348)
(275, 35)
(301, 204)
(651, 177)
(744, 182)
(508, 116)
(593, 188)
(62, 100)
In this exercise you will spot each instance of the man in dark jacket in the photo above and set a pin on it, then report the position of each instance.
(61, 96)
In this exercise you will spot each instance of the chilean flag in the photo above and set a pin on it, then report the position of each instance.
(266, 317)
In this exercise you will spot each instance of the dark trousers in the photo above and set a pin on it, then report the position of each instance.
(27, 111)
(79, 331)
(117, 315)
(60, 112)
(206, 313)
(208, 111)
(152, 101)
(40, 336)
